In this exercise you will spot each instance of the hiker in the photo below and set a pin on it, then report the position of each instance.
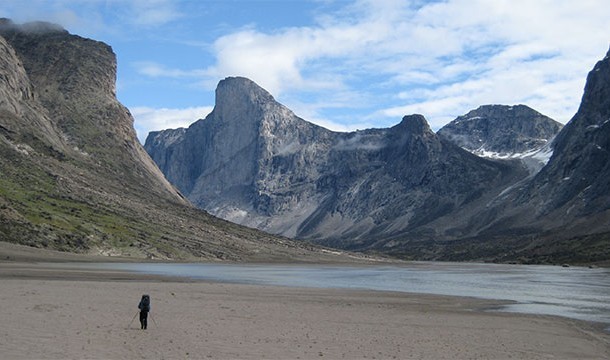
(144, 307)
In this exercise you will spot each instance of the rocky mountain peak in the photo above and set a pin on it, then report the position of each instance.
(415, 124)
(252, 161)
(596, 97)
(239, 94)
(60, 63)
(73, 82)
(501, 130)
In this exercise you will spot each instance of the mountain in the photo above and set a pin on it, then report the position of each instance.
(559, 214)
(501, 131)
(577, 178)
(568, 201)
(74, 176)
(254, 162)
(505, 132)
(404, 190)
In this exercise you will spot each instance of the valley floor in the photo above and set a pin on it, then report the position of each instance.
(50, 313)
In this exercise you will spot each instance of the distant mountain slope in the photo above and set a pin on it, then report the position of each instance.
(501, 131)
(73, 175)
(254, 162)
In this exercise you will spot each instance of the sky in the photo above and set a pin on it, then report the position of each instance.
(342, 64)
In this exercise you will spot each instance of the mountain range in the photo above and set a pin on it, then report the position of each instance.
(75, 178)
(500, 183)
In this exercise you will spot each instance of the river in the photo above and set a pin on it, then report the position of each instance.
(574, 292)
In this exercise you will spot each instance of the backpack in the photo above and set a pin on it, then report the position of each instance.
(144, 303)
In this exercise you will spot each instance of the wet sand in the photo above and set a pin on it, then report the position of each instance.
(50, 313)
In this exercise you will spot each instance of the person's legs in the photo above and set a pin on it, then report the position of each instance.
(143, 319)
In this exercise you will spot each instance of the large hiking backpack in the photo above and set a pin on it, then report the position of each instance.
(145, 303)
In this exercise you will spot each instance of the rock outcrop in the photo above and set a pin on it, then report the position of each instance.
(74, 81)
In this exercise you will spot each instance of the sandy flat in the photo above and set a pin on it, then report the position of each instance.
(46, 313)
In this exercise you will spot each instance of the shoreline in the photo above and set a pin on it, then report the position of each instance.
(53, 313)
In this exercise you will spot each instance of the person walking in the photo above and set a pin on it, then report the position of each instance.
(144, 307)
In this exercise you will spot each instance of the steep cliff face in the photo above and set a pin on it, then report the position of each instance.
(74, 176)
(74, 81)
(254, 162)
(244, 161)
(18, 103)
(575, 185)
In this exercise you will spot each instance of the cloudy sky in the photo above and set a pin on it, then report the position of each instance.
(342, 64)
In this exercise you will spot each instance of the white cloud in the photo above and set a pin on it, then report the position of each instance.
(94, 18)
(149, 119)
(153, 69)
(369, 62)
(379, 59)
(153, 12)
(386, 59)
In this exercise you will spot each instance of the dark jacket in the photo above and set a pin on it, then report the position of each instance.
(144, 304)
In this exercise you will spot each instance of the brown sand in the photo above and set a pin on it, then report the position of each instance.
(49, 313)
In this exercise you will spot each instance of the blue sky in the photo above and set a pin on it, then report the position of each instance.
(342, 64)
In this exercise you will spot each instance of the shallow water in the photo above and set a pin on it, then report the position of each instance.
(575, 292)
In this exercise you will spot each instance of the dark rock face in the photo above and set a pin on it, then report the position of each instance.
(254, 162)
(501, 131)
(575, 185)
(74, 176)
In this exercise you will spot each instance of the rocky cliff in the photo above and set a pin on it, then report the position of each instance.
(74, 176)
(254, 162)
(571, 194)
(74, 81)
(577, 178)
